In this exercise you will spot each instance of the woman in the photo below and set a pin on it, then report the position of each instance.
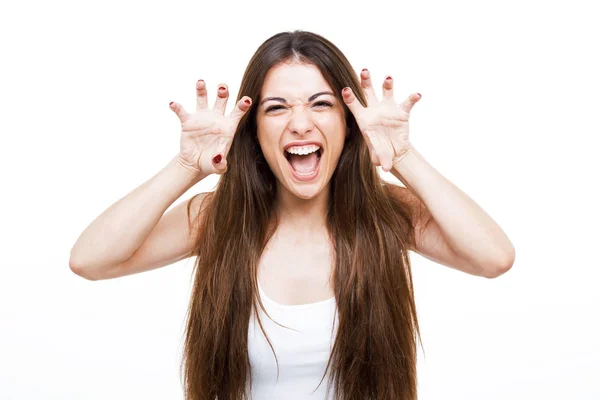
(300, 229)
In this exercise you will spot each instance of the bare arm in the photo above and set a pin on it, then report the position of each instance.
(114, 236)
(461, 234)
(133, 235)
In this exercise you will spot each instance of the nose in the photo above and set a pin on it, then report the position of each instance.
(301, 121)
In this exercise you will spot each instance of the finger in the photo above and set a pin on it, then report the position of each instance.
(351, 101)
(178, 109)
(367, 85)
(388, 85)
(410, 102)
(222, 97)
(241, 108)
(201, 99)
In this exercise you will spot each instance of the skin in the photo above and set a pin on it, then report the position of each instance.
(301, 205)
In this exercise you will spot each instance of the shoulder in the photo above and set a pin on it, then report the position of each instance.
(406, 197)
(196, 206)
(420, 216)
(199, 200)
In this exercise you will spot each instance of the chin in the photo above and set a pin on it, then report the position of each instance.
(305, 192)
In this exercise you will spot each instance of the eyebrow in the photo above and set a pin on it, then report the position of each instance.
(281, 99)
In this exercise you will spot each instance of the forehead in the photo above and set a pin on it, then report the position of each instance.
(293, 81)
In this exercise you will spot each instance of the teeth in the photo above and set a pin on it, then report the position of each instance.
(303, 150)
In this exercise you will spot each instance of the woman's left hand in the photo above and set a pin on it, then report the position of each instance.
(384, 124)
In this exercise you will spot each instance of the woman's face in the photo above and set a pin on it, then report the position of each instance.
(299, 109)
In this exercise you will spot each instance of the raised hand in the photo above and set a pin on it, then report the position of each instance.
(206, 136)
(384, 124)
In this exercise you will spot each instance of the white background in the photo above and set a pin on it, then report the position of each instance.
(509, 113)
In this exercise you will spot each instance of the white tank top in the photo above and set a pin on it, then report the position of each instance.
(302, 354)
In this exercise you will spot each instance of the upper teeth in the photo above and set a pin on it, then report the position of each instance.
(311, 148)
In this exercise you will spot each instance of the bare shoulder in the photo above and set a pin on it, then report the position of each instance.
(196, 207)
(420, 215)
(419, 211)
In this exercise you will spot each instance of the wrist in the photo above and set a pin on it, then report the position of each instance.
(402, 155)
(190, 173)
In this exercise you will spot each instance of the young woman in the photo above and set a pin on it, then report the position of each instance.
(302, 270)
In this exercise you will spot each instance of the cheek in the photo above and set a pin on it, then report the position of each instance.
(270, 129)
(333, 127)
(268, 138)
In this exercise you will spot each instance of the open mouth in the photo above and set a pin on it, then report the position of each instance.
(305, 166)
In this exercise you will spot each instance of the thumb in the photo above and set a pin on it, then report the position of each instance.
(219, 163)
(222, 167)
(219, 160)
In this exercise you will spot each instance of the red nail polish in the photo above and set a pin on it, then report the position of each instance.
(170, 103)
(217, 159)
(221, 87)
(247, 101)
(388, 77)
(346, 90)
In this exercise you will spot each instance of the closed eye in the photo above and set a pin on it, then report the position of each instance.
(317, 104)
(274, 108)
(323, 104)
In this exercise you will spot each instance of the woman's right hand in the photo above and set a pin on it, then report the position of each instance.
(206, 136)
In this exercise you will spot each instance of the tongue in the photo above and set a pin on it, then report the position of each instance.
(304, 164)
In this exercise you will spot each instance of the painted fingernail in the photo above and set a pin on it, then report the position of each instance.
(346, 90)
(388, 78)
(221, 87)
(247, 101)
(364, 69)
(170, 103)
(217, 159)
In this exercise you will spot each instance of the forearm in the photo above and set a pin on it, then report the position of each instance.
(467, 228)
(121, 229)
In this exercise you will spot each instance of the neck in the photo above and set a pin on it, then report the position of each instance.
(302, 215)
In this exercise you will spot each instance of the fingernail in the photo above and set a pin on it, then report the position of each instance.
(221, 87)
(388, 78)
(247, 101)
(364, 69)
(170, 103)
(200, 80)
(217, 159)
(346, 90)
(419, 94)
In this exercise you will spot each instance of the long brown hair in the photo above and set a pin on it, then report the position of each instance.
(374, 352)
